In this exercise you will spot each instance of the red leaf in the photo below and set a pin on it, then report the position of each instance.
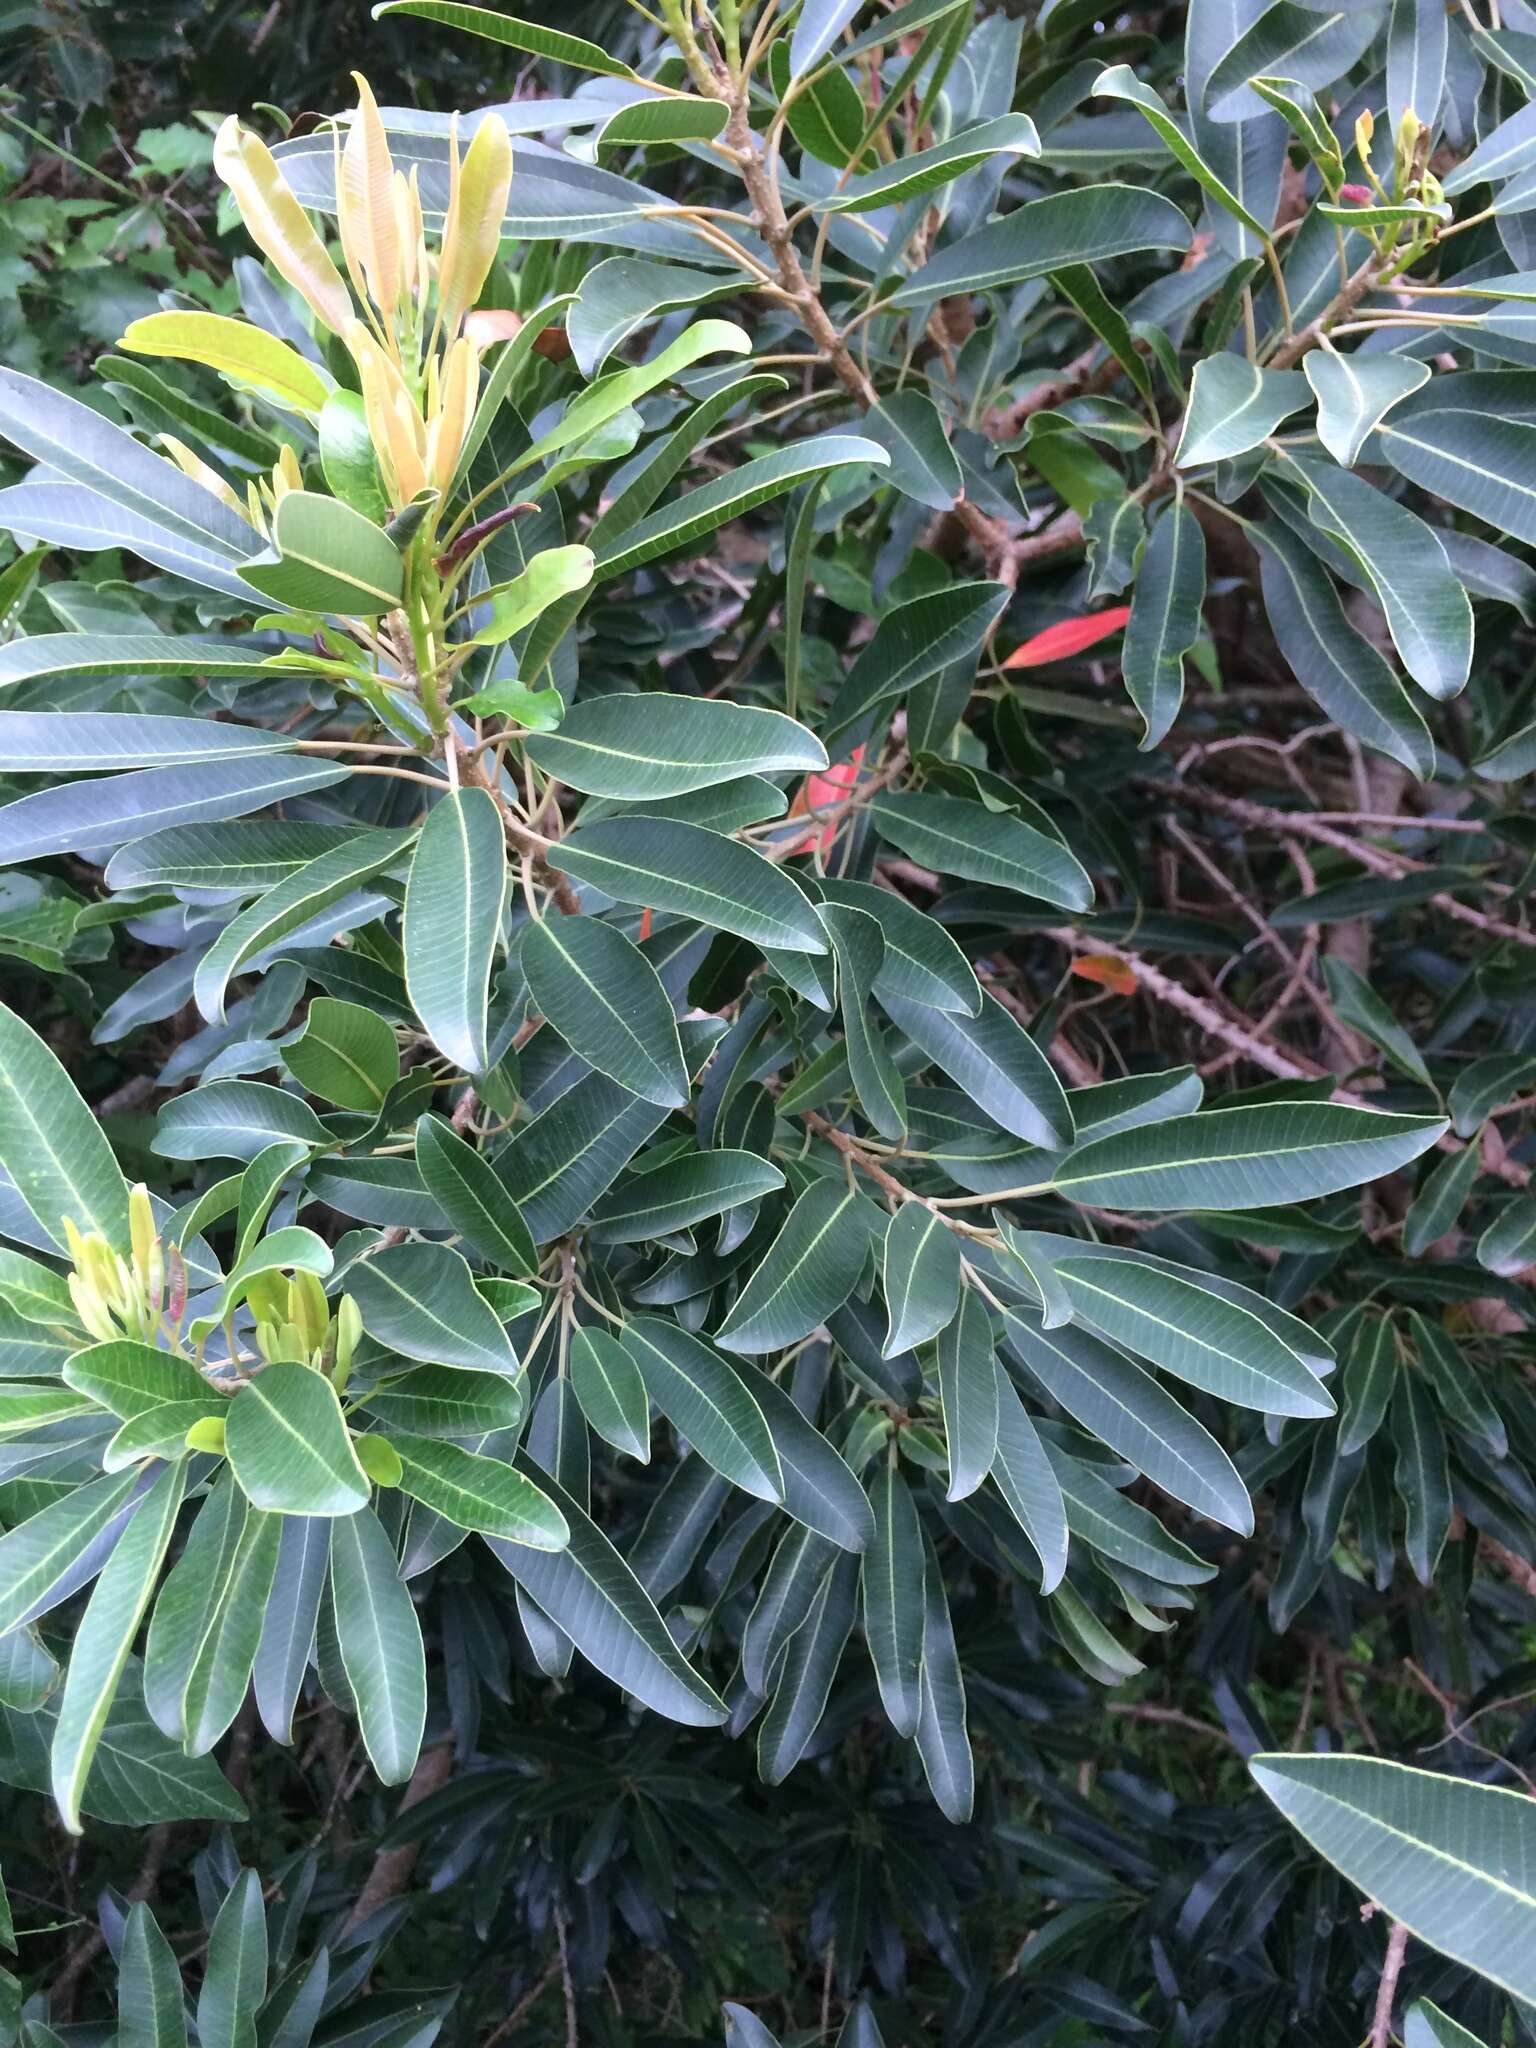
(824, 792)
(1068, 637)
(1108, 971)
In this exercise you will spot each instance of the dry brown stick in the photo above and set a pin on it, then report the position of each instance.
(1386, 1991)
(392, 1868)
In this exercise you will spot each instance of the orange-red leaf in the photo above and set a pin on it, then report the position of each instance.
(1108, 970)
(1068, 637)
(824, 792)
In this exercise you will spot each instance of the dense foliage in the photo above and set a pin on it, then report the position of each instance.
(865, 1313)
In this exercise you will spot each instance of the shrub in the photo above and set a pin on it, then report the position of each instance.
(645, 1249)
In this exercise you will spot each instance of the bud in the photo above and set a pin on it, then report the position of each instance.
(349, 1328)
(92, 1310)
(477, 205)
(142, 1233)
(176, 1268)
(1357, 195)
(279, 226)
(455, 405)
(308, 1310)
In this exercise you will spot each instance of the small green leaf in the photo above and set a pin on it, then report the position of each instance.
(289, 1447)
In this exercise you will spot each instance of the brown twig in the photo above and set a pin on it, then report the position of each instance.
(1386, 1991)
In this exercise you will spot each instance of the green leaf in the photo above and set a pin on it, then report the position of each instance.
(1165, 619)
(1427, 609)
(1423, 1478)
(1233, 406)
(51, 1146)
(452, 924)
(820, 1491)
(1508, 1245)
(649, 122)
(293, 902)
(348, 458)
(609, 396)
(921, 961)
(476, 1492)
(1119, 82)
(1446, 1857)
(1370, 1378)
(606, 1001)
(439, 1400)
(892, 1586)
(809, 1270)
(1333, 662)
(1486, 1085)
(510, 33)
(1118, 1528)
(473, 1198)
(622, 294)
(1186, 1329)
(646, 744)
(1353, 394)
(288, 1445)
(105, 1637)
(345, 1054)
(1131, 1411)
(42, 655)
(325, 557)
(591, 1593)
(61, 1548)
(234, 1120)
(921, 1277)
(1358, 1004)
(806, 1671)
(699, 512)
(235, 1971)
(1440, 1198)
(915, 642)
(1425, 2026)
(288, 1628)
(962, 838)
(34, 742)
(419, 1300)
(1022, 1473)
(968, 1393)
(924, 170)
(706, 1400)
(379, 1639)
(685, 1191)
(249, 356)
(923, 465)
(993, 1058)
(150, 2012)
(610, 1389)
(558, 1166)
(665, 865)
(549, 576)
(942, 1742)
(1305, 45)
(1245, 1158)
(859, 946)
(1086, 226)
(1472, 460)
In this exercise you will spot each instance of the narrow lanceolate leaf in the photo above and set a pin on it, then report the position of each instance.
(511, 34)
(303, 895)
(1085, 226)
(1120, 1529)
(105, 1637)
(942, 1741)
(1131, 1411)
(915, 642)
(42, 742)
(604, 998)
(921, 1276)
(1426, 2026)
(993, 1058)
(591, 1593)
(1180, 1326)
(962, 838)
(1233, 406)
(908, 428)
(26, 659)
(51, 1146)
(806, 1672)
(246, 354)
(1353, 394)
(789, 1584)
(683, 1192)
(1479, 463)
(1450, 1859)
(1119, 82)
(452, 923)
(1244, 1158)
(1428, 612)
(859, 946)
(379, 1639)
(610, 1389)
(1022, 1474)
(706, 1400)
(1165, 619)
(59, 1549)
(648, 744)
(666, 865)
(289, 1447)
(477, 1492)
(1352, 681)
(1508, 1245)
(151, 2013)
(1423, 1477)
(968, 1392)
(217, 1672)
(924, 170)
(893, 1597)
(820, 1490)
(288, 1627)
(921, 961)
(471, 1195)
(235, 1972)
(419, 1300)
(810, 1269)
(1370, 1379)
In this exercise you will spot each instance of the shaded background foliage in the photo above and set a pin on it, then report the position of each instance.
(1120, 1878)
